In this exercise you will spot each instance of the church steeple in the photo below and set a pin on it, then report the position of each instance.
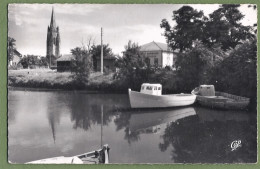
(53, 41)
(53, 23)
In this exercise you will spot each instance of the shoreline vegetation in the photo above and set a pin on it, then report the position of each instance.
(50, 80)
(106, 83)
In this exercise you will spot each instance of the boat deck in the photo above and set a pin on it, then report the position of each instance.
(89, 160)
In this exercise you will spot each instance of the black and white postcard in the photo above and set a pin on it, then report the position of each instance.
(132, 83)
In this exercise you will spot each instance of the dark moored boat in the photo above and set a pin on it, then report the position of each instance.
(206, 96)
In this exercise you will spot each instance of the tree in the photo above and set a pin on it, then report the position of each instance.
(195, 65)
(82, 65)
(89, 44)
(44, 62)
(133, 69)
(30, 61)
(24, 62)
(224, 27)
(255, 24)
(189, 27)
(11, 48)
(96, 53)
(237, 73)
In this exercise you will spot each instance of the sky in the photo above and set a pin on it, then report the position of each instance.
(27, 24)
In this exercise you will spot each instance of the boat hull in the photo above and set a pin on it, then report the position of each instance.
(142, 100)
(224, 101)
(93, 157)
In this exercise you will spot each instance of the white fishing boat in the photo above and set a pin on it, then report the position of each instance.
(150, 96)
(100, 156)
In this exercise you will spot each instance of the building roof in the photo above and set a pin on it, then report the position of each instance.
(153, 46)
(67, 57)
(107, 58)
(17, 53)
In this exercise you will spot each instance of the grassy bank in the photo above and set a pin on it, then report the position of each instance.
(50, 79)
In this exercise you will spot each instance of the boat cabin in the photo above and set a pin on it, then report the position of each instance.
(207, 90)
(154, 89)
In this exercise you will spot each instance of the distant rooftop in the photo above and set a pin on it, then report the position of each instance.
(69, 57)
(153, 46)
(17, 53)
(66, 57)
(107, 57)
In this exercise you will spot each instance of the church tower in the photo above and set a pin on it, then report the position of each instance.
(53, 41)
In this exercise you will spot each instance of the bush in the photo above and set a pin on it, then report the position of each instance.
(15, 67)
(194, 66)
(82, 65)
(237, 73)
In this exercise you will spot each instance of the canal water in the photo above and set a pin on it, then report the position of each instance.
(66, 123)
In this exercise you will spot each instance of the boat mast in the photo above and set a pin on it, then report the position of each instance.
(101, 143)
(101, 58)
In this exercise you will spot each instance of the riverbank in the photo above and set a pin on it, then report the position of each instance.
(47, 79)
(50, 80)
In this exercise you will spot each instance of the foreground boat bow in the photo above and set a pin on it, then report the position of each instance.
(100, 156)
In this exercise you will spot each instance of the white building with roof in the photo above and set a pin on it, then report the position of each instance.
(159, 54)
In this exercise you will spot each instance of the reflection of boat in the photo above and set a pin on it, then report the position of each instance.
(152, 118)
(151, 96)
(206, 96)
(93, 157)
(205, 114)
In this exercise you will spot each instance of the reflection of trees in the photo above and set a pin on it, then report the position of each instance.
(86, 111)
(11, 111)
(131, 136)
(81, 117)
(13, 104)
(122, 121)
(195, 142)
(86, 116)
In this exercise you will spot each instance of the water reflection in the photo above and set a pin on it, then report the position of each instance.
(47, 124)
(90, 114)
(206, 138)
(53, 121)
(149, 121)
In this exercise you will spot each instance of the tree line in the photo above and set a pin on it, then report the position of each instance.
(216, 50)
(222, 28)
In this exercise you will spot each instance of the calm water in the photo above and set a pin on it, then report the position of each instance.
(49, 124)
